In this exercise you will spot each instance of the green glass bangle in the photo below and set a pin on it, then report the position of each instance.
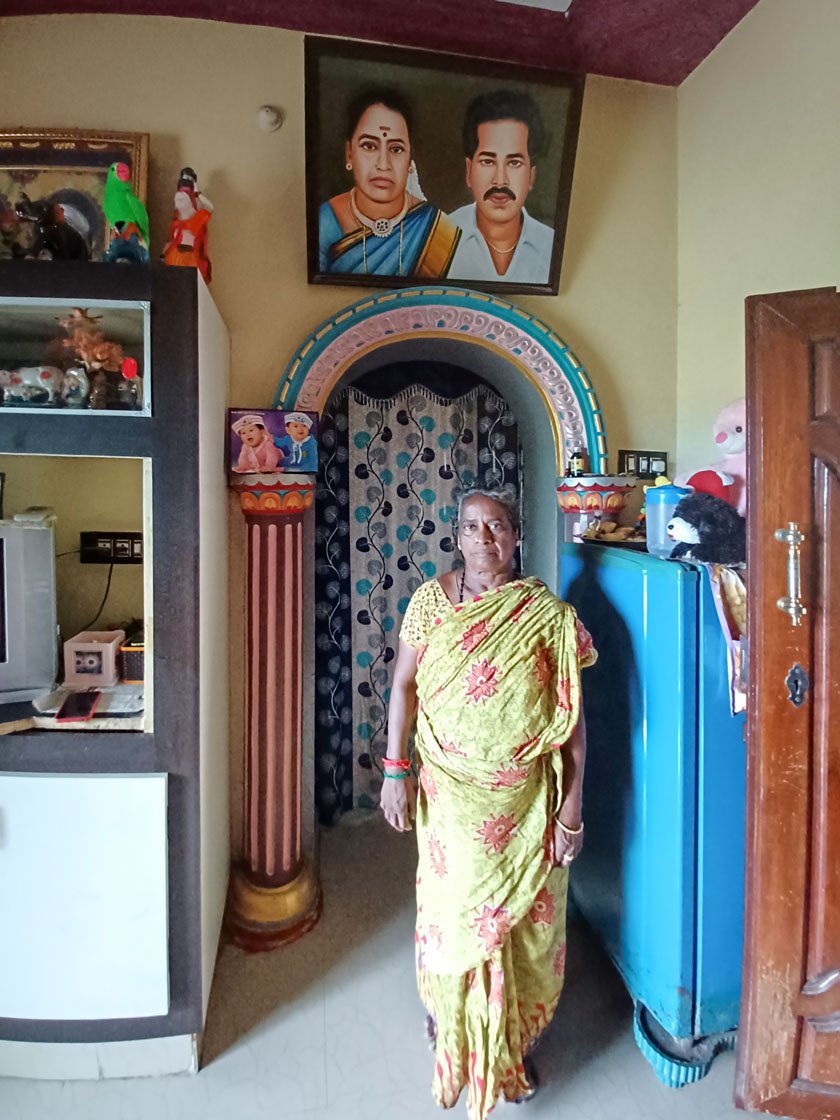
(397, 777)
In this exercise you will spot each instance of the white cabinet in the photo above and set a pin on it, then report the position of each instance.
(83, 890)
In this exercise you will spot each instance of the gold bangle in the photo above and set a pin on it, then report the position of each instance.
(570, 831)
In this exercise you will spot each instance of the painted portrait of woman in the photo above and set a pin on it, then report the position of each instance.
(383, 225)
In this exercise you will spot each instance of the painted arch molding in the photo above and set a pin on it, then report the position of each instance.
(483, 320)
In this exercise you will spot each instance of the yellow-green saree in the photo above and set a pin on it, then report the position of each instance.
(498, 686)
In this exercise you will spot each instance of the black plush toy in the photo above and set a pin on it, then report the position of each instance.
(708, 529)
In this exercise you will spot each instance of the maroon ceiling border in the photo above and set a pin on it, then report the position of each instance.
(658, 41)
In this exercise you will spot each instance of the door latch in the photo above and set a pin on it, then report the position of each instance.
(798, 684)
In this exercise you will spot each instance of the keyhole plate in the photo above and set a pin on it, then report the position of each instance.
(798, 684)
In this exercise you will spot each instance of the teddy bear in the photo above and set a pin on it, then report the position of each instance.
(730, 431)
(708, 529)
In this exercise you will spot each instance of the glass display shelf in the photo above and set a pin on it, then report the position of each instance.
(86, 359)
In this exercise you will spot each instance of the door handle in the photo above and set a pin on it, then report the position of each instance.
(791, 603)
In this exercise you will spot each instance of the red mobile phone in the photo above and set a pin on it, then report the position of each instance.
(78, 706)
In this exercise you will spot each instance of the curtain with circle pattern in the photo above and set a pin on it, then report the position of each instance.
(390, 470)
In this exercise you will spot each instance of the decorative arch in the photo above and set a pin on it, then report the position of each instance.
(474, 317)
(275, 894)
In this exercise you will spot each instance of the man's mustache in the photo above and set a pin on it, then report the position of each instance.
(500, 190)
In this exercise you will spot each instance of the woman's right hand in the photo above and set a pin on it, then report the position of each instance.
(398, 801)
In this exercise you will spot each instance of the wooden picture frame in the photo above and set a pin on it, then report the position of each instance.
(432, 223)
(69, 166)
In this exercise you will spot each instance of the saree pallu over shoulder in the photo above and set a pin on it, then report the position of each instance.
(509, 660)
(498, 686)
(428, 245)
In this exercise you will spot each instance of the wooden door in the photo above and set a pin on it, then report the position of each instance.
(789, 1056)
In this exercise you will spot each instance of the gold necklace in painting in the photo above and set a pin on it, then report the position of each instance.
(379, 227)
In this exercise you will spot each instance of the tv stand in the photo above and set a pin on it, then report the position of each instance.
(121, 822)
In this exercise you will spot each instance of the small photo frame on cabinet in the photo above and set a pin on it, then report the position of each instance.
(67, 167)
(271, 441)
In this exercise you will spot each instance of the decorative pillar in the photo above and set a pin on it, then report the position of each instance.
(274, 896)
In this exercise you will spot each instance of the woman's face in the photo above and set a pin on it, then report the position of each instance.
(486, 536)
(380, 154)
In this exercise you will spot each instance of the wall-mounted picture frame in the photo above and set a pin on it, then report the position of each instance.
(423, 166)
(68, 168)
(271, 441)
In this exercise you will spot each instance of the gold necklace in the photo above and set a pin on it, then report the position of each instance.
(379, 227)
(501, 252)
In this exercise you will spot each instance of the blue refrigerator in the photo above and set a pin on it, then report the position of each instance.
(661, 876)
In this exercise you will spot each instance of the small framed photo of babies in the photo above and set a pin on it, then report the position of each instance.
(272, 441)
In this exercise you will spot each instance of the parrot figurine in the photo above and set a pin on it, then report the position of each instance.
(127, 218)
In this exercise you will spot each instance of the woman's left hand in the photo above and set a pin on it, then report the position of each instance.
(566, 848)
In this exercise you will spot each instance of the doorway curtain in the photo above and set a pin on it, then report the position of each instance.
(389, 476)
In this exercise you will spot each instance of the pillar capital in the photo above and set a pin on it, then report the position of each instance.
(594, 493)
(274, 495)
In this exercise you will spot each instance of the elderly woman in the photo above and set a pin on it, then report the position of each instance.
(379, 227)
(489, 663)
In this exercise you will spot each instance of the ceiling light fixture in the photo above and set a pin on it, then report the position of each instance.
(549, 5)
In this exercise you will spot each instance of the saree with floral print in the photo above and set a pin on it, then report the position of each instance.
(498, 686)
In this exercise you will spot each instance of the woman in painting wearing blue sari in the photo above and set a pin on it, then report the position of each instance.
(380, 227)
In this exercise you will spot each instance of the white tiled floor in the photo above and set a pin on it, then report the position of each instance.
(331, 1029)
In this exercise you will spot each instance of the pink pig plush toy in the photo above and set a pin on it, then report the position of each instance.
(731, 437)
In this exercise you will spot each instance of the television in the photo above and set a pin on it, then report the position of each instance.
(28, 625)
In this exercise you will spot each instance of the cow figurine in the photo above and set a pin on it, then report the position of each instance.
(31, 384)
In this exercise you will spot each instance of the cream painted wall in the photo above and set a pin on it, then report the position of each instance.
(195, 87)
(759, 182)
(87, 494)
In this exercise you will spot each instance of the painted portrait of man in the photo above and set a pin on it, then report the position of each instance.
(503, 138)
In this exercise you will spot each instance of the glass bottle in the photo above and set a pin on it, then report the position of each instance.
(576, 463)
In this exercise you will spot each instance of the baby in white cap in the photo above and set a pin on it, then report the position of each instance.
(258, 453)
(298, 445)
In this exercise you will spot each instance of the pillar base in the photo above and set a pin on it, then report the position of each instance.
(262, 918)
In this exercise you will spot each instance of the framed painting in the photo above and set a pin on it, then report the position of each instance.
(67, 168)
(270, 441)
(424, 166)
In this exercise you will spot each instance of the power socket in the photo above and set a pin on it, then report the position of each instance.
(111, 548)
(643, 464)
